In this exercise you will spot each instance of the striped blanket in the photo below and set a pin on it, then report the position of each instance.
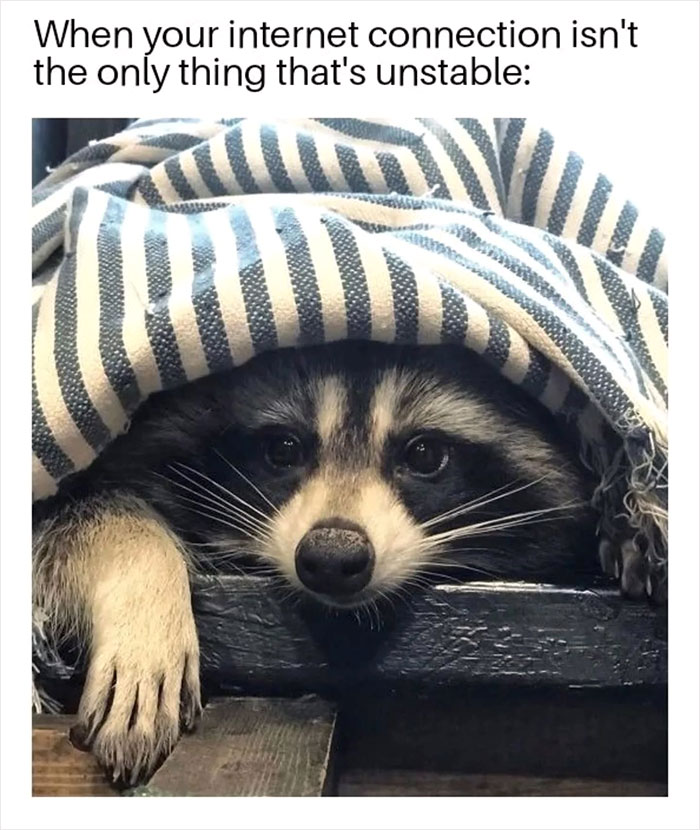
(182, 247)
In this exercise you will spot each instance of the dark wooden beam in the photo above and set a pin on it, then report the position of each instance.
(557, 732)
(255, 641)
(474, 633)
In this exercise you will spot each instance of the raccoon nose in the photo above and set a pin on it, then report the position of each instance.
(335, 558)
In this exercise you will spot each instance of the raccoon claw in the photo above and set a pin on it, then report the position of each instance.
(190, 701)
(130, 717)
(609, 558)
(657, 586)
(628, 564)
(78, 736)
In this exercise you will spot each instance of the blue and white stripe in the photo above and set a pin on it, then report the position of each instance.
(181, 247)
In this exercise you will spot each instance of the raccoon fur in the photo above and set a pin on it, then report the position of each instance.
(351, 471)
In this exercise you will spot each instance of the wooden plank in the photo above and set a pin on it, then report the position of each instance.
(253, 641)
(58, 769)
(252, 747)
(517, 633)
(390, 782)
(560, 733)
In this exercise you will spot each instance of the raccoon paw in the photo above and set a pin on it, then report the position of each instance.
(134, 706)
(628, 564)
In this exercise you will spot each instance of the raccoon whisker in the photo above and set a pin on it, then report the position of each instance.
(225, 568)
(248, 481)
(217, 569)
(216, 502)
(374, 614)
(291, 595)
(215, 518)
(200, 492)
(218, 551)
(283, 588)
(446, 563)
(228, 555)
(435, 544)
(378, 614)
(469, 568)
(234, 510)
(469, 505)
(421, 583)
(466, 567)
(365, 612)
(204, 493)
(221, 487)
(480, 530)
(532, 514)
(524, 518)
(218, 546)
(403, 594)
(416, 581)
(415, 576)
(481, 501)
(263, 570)
(386, 596)
(246, 504)
(362, 613)
(216, 555)
(451, 563)
(240, 521)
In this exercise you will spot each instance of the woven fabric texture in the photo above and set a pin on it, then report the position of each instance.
(183, 247)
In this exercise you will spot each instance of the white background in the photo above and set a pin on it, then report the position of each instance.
(632, 111)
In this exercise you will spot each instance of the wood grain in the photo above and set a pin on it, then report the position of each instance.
(460, 634)
(558, 733)
(253, 641)
(428, 783)
(58, 769)
(252, 747)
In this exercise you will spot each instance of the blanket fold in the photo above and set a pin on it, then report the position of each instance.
(183, 247)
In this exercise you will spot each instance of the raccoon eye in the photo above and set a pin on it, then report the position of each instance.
(283, 451)
(425, 456)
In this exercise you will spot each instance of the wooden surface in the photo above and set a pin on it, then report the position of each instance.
(480, 679)
(428, 783)
(255, 642)
(252, 747)
(559, 733)
(58, 769)
(490, 742)
(463, 634)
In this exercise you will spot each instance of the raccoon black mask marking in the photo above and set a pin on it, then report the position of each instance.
(351, 471)
(353, 467)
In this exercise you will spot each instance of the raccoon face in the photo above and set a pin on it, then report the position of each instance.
(355, 469)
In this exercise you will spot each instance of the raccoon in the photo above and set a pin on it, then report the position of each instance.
(352, 471)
